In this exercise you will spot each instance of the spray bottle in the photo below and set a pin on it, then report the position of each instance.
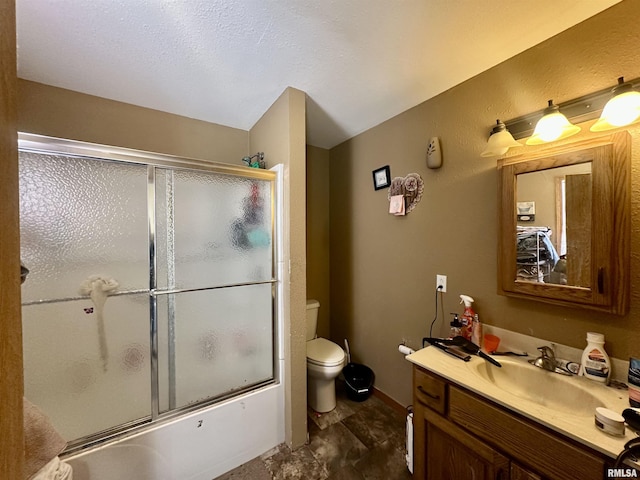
(467, 316)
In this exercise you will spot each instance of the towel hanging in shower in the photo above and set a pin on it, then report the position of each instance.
(98, 288)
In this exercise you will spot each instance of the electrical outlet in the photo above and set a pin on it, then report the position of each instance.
(441, 281)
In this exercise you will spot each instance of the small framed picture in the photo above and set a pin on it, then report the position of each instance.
(381, 177)
(526, 211)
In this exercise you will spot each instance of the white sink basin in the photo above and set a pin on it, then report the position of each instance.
(562, 393)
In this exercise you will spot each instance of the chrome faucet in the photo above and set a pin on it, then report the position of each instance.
(546, 360)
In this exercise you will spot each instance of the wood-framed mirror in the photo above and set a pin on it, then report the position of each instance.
(564, 225)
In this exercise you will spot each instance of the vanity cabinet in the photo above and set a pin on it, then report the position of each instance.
(451, 452)
(460, 435)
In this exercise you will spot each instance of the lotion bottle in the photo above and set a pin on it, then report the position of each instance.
(595, 363)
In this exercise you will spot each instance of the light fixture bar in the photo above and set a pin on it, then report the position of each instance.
(577, 110)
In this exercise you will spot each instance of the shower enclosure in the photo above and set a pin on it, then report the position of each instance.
(151, 289)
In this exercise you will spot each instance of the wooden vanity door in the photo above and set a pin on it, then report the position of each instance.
(519, 473)
(454, 454)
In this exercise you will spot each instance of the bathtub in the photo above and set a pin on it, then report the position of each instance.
(199, 446)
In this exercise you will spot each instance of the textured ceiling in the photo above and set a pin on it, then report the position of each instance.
(226, 61)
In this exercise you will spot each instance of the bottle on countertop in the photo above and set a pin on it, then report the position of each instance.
(476, 331)
(456, 326)
(595, 363)
(467, 316)
(568, 365)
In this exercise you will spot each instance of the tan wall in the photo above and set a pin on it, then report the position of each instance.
(57, 112)
(11, 382)
(318, 261)
(280, 133)
(383, 267)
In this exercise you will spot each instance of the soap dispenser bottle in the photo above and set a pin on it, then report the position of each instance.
(467, 316)
(595, 363)
(456, 326)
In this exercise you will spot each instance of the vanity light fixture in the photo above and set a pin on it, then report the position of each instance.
(500, 140)
(578, 110)
(552, 126)
(623, 108)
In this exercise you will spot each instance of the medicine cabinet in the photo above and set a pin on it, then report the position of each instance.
(564, 226)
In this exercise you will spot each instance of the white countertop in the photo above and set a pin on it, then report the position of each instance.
(578, 427)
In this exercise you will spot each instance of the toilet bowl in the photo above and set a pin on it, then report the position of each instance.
(325, 361)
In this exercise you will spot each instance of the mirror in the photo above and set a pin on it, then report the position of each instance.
(564, 224)
(553, 232)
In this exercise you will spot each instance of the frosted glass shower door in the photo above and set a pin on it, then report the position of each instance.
(86, 367)
(214, 284)
(151, 289)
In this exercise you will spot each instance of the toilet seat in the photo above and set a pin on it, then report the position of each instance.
(324, 353)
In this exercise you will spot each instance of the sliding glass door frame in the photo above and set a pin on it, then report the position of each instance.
(153, 161)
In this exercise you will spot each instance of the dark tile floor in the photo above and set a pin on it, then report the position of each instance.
(356, 441)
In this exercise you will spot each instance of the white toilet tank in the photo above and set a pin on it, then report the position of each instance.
(312, 318)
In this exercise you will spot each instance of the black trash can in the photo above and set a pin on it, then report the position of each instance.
(358, 379)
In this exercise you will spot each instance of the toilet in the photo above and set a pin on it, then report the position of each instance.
(325, 361)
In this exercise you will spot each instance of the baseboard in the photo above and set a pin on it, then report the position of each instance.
(389, 401)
